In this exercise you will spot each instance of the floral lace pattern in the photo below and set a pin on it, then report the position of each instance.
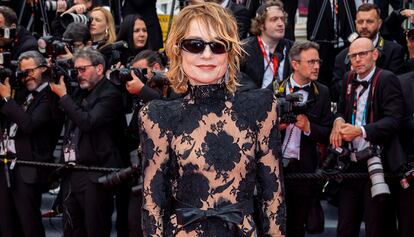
(209, 150)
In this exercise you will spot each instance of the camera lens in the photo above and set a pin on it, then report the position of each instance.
(376, 174)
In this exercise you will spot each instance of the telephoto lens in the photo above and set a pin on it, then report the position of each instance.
(376, 174)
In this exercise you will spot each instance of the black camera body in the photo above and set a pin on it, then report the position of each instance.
(120, 76)
(52, 46)
(64, 68)
(337, 160)
(7, 70)
(289, 106)
(8, 33)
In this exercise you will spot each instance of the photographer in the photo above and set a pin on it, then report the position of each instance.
(35, 125)
(369, 113)
(14, 38)
(299, 149)
(93, 133)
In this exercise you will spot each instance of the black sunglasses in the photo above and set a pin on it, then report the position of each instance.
(197, 46)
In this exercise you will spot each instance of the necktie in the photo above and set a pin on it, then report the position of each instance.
(356, 83)
(297, 88)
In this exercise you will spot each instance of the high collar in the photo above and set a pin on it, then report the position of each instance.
(207, 93)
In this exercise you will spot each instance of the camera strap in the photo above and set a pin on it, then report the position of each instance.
(269, 59)
(350, 90)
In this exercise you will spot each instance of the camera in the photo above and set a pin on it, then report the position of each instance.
(7, 33)
(64, 68)
(372, 155)
(116, 178)
(120, 76)
(289, 106)
(68, 18)
(52, 46)
(6, 71)
(336, 161)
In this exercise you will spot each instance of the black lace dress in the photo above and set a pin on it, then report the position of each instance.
(204, 155)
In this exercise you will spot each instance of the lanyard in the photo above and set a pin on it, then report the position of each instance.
(274, 58)
(356, 106)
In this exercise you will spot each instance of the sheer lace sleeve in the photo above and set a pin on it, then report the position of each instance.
(154, 144)
(270, 183)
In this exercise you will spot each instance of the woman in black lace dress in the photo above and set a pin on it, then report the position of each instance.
(205, 154)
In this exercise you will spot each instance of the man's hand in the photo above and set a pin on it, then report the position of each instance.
(59, 89)
(410, 47)
(302, 122)
(135, 85)
(78, 9)
(5, 90)
(336, 137)
(350, 132)
(409, 13)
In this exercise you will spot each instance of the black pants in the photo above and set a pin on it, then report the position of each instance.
(134, 215)
(403, 204)
(299, 196)
(357, 205)
(87, 212)
(20, 207)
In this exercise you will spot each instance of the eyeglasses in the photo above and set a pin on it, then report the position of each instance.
(361, 54)
(82, 69)
(312, 62)
(197, 46)
(29, 71)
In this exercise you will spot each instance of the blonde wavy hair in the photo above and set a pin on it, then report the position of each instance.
(111, 37)
(212, 16)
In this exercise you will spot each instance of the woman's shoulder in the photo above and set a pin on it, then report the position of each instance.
(161, 111)
(256, 97)
(252, 107)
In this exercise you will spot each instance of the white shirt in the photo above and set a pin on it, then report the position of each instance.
(359, 143)
(291, 147)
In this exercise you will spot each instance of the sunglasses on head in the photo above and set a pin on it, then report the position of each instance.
(197, 46)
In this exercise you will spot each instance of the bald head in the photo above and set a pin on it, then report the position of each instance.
(363, 56)
(361, 43)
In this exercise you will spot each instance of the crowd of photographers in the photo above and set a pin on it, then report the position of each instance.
(85, 77)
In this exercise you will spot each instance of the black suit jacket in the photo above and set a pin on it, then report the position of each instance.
(242, 18)
(407, 133)
(38, 132)
(24, 42)
(252, 65)
(147, 9)
(391, 58)
(99, 116)
(326, 28)
(320, 118)
(387, 109)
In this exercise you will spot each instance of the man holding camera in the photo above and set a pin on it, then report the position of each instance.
(13, 38)
(369, 113)
(299, 149)
(93, 130)
(30, 133)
